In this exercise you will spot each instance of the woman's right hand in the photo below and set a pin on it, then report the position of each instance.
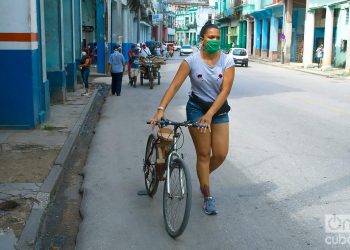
(156, 117)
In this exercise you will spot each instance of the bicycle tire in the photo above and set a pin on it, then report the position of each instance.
(149, 168)
(177, 166)
(151, 79)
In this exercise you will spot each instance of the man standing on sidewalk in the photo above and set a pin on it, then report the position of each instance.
(116, 65)
(85, 70)
(319, 55)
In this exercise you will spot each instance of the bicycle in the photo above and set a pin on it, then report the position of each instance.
(177, 191)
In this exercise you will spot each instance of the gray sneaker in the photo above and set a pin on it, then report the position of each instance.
(209, 206)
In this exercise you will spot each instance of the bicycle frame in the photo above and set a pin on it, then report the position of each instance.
(173, 153)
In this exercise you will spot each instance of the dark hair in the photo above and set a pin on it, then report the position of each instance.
(207, 25)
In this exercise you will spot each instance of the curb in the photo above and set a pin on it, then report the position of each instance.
(33, 224)
(296, 69)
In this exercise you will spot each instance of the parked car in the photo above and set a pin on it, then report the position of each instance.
(240, 56)
(177, 47)
(186, 50)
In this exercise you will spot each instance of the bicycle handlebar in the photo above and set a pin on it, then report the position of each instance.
(166, 122)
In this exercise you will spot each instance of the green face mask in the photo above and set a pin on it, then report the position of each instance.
(212, 46)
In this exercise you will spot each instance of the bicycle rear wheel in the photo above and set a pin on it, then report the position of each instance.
(149, 168)
(177, 204)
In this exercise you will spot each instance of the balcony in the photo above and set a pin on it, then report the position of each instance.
(228, 12)
(180, 27)
(191, 25)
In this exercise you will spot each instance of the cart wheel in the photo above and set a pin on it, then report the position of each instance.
(141, 78)
(150, 80)
(158, 75)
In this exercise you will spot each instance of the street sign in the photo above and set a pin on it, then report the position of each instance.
(282, 37)
(157, 18)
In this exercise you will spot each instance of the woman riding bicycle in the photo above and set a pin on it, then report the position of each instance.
(211, 73)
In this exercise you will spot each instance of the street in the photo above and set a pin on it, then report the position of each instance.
(287, 167)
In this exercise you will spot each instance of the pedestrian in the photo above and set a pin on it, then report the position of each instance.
(145, 52)
(157, 50)
(211, 73)
(85, 70)
(319, 55)
(116, 65)
(163, 49)
(129, 62)
(134, 65)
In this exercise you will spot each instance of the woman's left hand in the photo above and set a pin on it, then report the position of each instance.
(205, 121)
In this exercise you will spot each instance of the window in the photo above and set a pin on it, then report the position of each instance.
(239, 52)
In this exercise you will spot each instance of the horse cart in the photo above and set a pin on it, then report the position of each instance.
(149, 69)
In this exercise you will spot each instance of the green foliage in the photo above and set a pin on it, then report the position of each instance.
(48, 127)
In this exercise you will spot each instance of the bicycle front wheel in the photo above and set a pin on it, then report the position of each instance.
(177, 203)
(149, 168)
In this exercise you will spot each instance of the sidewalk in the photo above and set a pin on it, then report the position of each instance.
(331, 72)
(32, 161)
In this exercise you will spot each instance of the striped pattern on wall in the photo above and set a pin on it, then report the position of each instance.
(18, 32)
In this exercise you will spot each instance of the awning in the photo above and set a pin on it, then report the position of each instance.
(268, 11)
(146, 24)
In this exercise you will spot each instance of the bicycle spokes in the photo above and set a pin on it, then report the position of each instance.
(177, 198)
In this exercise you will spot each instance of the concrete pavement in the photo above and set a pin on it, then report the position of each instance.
(31, 164)
(330, 72)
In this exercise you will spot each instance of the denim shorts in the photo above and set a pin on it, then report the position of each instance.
(194, 112)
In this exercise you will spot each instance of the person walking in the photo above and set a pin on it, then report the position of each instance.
(116, 65)
(211, 73)
(130, 52)
(134, 65)
(319, 55)
(85, 70)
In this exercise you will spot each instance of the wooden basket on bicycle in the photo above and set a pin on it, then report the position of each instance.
(166, 138)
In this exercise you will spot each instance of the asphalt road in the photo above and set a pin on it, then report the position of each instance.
(287, 168)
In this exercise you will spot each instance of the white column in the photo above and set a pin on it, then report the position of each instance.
(125, 25)
(273, 39)
(288, 29)
(347, 67)
(254, 40)
(309, 37)
(328, 38)
(109, 23)
(249, 37)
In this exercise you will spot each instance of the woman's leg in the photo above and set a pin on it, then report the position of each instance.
(85, 80)
(202, 142)
(219, 144)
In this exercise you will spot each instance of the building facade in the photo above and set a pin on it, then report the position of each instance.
(327, 23)
(287, 30)
(41, 43)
